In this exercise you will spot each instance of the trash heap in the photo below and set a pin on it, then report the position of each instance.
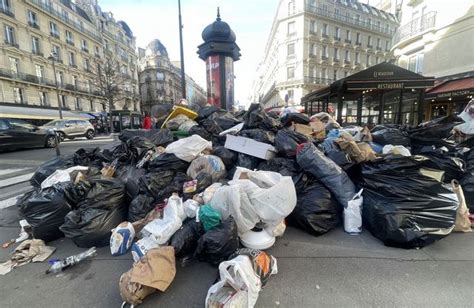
(210, 182)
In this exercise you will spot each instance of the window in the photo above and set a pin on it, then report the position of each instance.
(84, 46)
(106, 44)
(291, 49)
(347, 56)
(378, 43)
(338, 33)
(291, 7)
(357, 58)
(69, 37)
(312, 3)
(57, 52)
(357, 18)
(369, 22)
(60, 78)
(74, 81)
(387, 45)
(334, 75)
(311, 71)
(88, 85)
(358, 38)
(5, 5)
(78, 103)
(378, 25)
(368, 60)
(291, 72)
(312, 26)
(43, 96)
(291, 28)
(337, 12)
(35, 45)
(324, 73)
(87, 65)
(348, 36)
(32, 19)
(97, 50)
(376, 60)
(39, 72)
(325, 30)
(324, 52)
(336, 53)
(415, 63)
(65, 14)
(72, 59)
(14, 65)
(18, 95)
(9, 35)
(369, 41)
(312, 49)
(63, 99)
(53, 29)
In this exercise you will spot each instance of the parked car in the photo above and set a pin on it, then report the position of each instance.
(16, 134)
(71, 128)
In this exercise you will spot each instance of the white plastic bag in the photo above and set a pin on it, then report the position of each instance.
(176, 201)
(162, 229)
(190, 208)
(186, 126)
(60, 176)
(239, 274)
(209, 192)
(353, 214)
(141, 247)
(396, 150)
(234, 129)
(189, 148)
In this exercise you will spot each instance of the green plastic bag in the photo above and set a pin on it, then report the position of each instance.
(209, 217)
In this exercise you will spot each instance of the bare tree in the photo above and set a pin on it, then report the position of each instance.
(109, 82)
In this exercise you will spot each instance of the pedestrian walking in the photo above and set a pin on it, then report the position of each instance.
(147, 121)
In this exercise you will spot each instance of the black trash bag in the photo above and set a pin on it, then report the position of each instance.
(86, 157)
(49, 167)
(211, 126)
(105, 193)
(317, 211)
(224, 119)
(159, 137)
(75, 192)
(247, 161)
(219, 243)
(89, 226)
(140, 206)
(45, 211)
(341, 158)
(259, 135)
(434, 131)
(295, 117)
(200, 131)
(138, 146)
(130, 176)
(175, 186)
(256, 117)
(391, 136)
(156, 182)
(162, 137)
(467, 184)
(168, 161)
(117, 151)
(402, 207)
(286, 142)
(227, 156)
(454, 167)
(204, 180)
(185, 240)
(379, 127)
(205, 112)
(314, 162)
(284, 166)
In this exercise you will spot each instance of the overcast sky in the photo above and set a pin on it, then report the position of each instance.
(251, 20)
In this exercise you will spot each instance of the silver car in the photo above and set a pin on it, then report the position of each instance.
(72, 128)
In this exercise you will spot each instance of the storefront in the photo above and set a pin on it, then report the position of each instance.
(449, 97)
(383, 93)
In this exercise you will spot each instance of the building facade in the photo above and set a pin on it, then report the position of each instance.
(160, 79)
(33, 30)
(435, 38)
(315, 42)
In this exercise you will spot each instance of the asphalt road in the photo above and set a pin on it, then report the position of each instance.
(333, 270)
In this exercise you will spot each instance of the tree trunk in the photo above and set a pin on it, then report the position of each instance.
(111, 125)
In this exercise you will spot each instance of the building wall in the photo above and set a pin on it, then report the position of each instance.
(436, 37)
(311, 27)
(77, 86)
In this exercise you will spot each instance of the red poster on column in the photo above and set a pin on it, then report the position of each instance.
(213, 81)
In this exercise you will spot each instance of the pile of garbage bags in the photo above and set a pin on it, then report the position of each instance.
(210, 182)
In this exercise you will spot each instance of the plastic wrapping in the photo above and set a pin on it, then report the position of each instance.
(210, 164)
(286, 142)
(188, 148)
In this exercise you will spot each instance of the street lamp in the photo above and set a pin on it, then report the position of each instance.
(181, 51)
(53, 57)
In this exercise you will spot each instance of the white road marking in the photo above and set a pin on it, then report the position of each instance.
(9, 202)
(10, 171)
(16, 180)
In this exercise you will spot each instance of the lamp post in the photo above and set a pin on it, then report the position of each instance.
(53, 57)
(183, 79)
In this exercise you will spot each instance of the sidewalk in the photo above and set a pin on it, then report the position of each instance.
(332, 270)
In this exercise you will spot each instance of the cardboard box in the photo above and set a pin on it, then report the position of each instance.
(250, 147)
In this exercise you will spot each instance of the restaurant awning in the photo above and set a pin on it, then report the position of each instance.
(452, 89)
(32, 113)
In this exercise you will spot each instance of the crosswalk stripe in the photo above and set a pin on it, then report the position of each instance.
(16, 180)
(9, 202)
(10, 171)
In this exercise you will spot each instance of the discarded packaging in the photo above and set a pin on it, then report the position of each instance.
(250, 147)
(60, 265)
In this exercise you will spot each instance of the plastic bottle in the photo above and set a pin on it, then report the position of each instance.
(60, 265)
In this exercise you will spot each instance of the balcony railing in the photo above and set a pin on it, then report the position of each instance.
(7, 11)
(70, 42)
(51, 10)
(349, 20)
(54, 34)
(12, 44)
(37, 52)
(317, 80)
(33, 24)
(85, 49)
(416, 26)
